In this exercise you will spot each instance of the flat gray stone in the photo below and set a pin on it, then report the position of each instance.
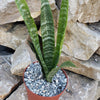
(22, 57)
(12, 35)
(9, 11)
(84, 11)
(81, 88)
(19, 94)
(95, 27)
(98, 51)
(98, 91)
(7, 80)
(81, 40)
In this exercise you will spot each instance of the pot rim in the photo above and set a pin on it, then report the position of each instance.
(44, 96)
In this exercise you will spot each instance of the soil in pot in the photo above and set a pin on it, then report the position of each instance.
(34, 80)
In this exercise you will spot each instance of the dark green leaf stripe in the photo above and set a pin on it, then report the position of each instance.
(55, 70)
(61, 30)
(47, 31)
(29, 21)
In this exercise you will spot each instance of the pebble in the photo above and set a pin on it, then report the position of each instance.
(34, 80)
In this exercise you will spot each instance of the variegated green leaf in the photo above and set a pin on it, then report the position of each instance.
(47, 30)
(55, 70)
(29, 21)
(61, 30)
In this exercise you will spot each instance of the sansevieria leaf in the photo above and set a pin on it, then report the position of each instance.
(47, 31)
(29, 21)
(55, 70)
(61, 30)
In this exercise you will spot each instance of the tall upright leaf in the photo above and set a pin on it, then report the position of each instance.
(29, 21)
(47, 30)
(61, 30)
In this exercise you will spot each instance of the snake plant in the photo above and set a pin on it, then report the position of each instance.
(51, 53)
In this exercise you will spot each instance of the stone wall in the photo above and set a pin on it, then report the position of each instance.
(81, 45)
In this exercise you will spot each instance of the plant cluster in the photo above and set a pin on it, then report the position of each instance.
(50, 55)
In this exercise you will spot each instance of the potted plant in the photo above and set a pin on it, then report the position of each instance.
(43, 79)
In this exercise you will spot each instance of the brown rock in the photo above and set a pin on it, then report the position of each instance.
(81, 40)
(8, 15)
(12, 35)
(19, 94)
(7, 80)
(85, 11)
(98, 51)
(89, 68)
(22, 57)
(81, 88)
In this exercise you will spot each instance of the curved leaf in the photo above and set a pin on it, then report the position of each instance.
(61, 30)
(55, 70)
(29, 21)
(47, 31)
